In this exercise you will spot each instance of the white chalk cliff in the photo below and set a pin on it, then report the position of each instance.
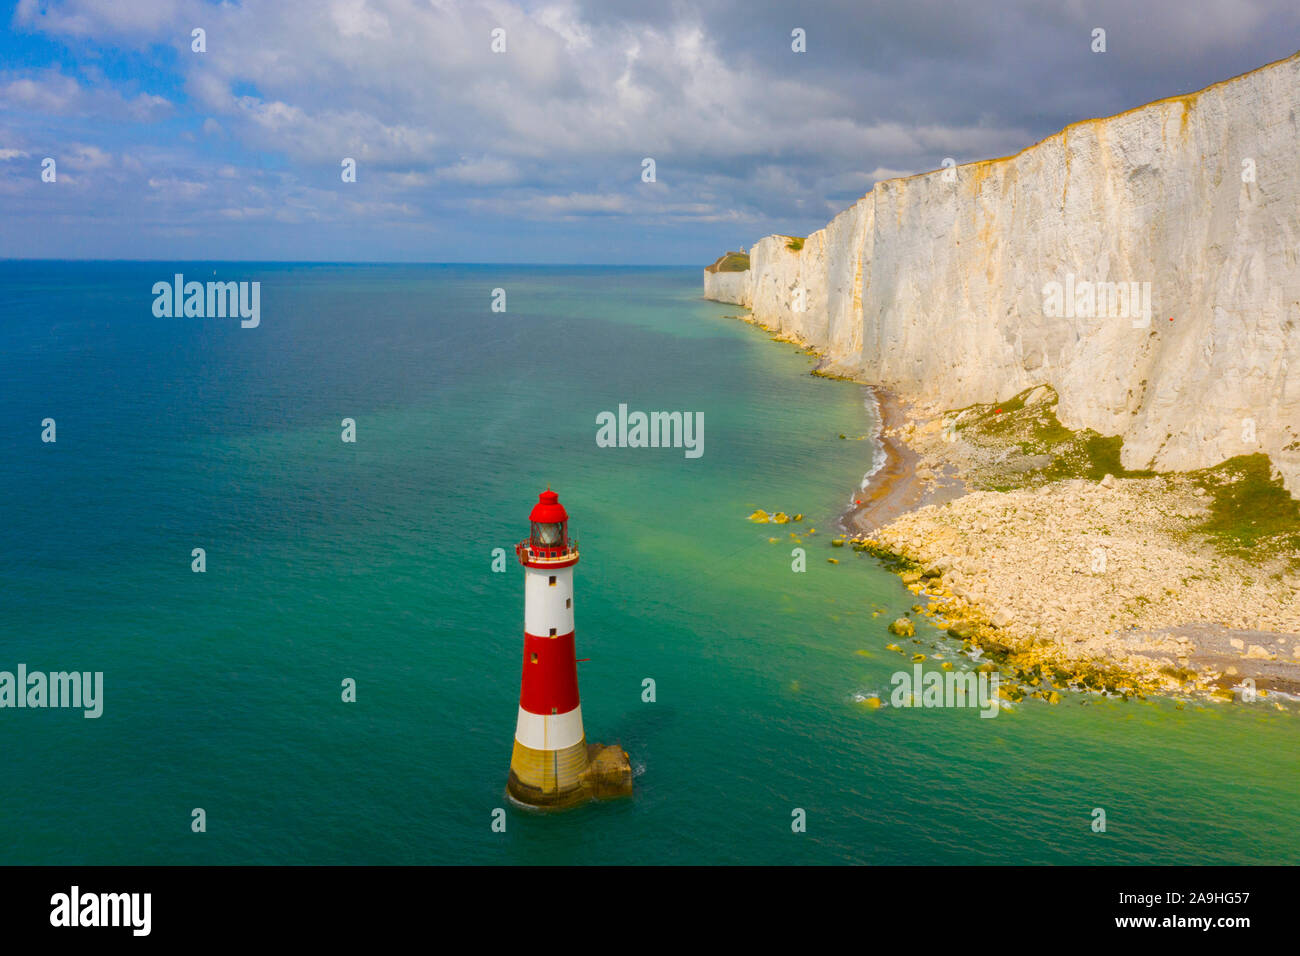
(934, 285)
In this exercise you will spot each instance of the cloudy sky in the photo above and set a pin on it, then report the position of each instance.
(535, 154)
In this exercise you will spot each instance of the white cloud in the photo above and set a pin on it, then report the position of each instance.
(174, 188)
(486, 171)
(85, 157)
(91, 18)
(52, 92)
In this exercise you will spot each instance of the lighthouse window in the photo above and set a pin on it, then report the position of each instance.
(568, 602)
(552, 632)
(552, 581)
(548, 535)
(533, 657)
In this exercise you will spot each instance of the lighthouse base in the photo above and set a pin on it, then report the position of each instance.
(607, 775)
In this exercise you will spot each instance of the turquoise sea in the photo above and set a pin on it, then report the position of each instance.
(373, 560)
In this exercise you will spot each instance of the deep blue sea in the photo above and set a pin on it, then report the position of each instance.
(373, 560)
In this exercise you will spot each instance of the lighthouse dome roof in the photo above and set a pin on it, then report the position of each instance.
(548, 509)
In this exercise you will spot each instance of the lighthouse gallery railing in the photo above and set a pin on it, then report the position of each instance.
(545, 555)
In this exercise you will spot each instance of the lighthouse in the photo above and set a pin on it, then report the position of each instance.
(552, 764)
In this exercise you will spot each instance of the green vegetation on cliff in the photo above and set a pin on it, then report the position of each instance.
(1020, 443)
(1033, 446)
(730, 262)
(1250, 511)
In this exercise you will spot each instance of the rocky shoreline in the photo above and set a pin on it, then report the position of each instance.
(1082, 583)
(904, 482)
(1066, 580)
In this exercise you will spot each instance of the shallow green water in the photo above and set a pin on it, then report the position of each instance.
(373, 561)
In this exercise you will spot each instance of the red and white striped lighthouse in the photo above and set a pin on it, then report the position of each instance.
(550, 760)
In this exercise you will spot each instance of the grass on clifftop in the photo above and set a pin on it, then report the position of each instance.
(730, 262)
(795, 243)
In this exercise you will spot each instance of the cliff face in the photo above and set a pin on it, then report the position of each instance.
(971, 284)
(727, 287)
